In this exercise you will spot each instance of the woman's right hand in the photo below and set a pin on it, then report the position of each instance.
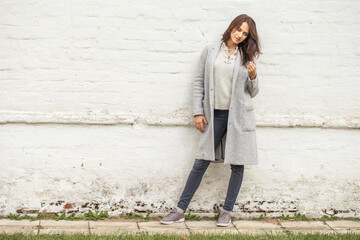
(199, 119)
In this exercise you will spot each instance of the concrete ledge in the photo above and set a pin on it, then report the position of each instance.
(172, 119)
(62, 226)
(343, 226)
(156, 227)
(306, 227)
(204, 227)
(257, 227)
(112, 227)
(116, 227)
(11, 226)
(97, 118)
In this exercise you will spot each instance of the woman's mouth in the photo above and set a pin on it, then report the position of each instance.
(237, 39)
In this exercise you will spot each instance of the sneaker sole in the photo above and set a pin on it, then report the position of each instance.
(223, 224)
(167, 223)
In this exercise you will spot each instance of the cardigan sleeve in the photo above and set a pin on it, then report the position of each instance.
(198, 89)
(253, 85)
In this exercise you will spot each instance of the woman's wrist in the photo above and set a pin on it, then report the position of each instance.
(251, 77)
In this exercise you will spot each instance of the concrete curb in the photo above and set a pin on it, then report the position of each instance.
(185, 228)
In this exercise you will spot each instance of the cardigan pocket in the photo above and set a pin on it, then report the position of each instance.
(248, 121)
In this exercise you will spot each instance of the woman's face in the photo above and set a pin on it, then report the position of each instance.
(239, 33)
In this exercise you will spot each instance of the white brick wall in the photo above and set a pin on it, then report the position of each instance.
(95, 106)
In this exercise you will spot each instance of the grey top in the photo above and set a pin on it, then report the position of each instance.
(223, 73)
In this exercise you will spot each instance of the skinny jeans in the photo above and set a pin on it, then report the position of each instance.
(200, 166)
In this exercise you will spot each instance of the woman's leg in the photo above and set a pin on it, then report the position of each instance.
(193, 182)
(237, 173)
(200, 166)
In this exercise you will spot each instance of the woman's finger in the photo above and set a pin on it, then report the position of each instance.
(198, 126)
(251, 69)
(252, 65)
(205, 121)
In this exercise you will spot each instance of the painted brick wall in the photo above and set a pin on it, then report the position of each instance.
(96, 97)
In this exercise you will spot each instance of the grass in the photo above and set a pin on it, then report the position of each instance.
(87, 216)
(302, 217)
(296, 217)
(143, 236)
(136, 216)
(188, 217)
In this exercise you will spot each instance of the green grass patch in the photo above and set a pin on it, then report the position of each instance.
(191, 217)
(87, 216)
(136, 216)
(296, 217)
(302, 217)
(188, 217)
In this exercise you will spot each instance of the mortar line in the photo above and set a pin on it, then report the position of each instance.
(284, 230)
(39, 226)
(330, 227)
(89, 227)
(235, 226)
(138, 226)
(187, 227)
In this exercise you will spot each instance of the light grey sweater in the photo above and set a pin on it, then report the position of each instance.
(223, 73)
(238, 146)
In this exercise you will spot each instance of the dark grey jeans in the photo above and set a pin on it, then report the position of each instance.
(200, 166)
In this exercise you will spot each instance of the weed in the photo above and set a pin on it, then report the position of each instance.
(296, 217)
(261, 217)
(192, 217)
(331, 218)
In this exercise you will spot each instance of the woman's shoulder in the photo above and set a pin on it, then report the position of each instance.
(214, 44)
(210, 46)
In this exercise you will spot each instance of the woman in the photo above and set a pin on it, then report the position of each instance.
(224, 114)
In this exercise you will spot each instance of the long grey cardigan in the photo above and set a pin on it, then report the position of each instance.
(238, 146)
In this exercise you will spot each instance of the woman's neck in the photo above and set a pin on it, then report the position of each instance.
(230, 44)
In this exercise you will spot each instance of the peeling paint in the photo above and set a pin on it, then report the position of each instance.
(267, 208)
(68, 206)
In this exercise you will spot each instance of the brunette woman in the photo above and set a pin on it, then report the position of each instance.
(223, 110)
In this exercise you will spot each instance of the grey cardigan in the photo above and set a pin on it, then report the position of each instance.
(238, 145)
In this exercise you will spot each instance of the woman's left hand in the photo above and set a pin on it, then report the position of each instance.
(251, 69)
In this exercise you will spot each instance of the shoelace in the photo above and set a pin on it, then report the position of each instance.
(172, 212)
(223, 214)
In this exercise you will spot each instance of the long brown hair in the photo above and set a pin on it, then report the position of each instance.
(250, 47)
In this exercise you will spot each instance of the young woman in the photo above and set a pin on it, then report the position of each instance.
(223, 110)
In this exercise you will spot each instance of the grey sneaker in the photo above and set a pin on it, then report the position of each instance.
(224, 218)
(173, 217)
